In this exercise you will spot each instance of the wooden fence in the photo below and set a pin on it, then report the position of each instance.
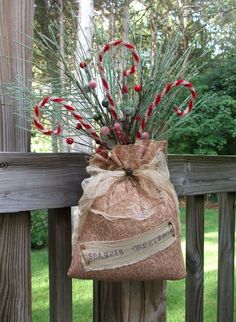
(52, 181)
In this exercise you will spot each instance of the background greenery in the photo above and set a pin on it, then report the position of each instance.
(39, 228)
(82, 290)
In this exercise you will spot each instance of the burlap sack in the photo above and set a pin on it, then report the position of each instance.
(129, 227)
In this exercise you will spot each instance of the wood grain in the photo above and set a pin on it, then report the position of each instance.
(225, 308)
(50, 181)
(194, 258)
(16, 21)
(15, 272)
(59, 248)
(130, 301)
(54, 180)
(16, 30)
(195, 175)
(96, 301)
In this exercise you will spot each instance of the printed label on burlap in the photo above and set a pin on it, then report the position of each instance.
(99, 255)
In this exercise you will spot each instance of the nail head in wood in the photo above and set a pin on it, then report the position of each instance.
(3, 164)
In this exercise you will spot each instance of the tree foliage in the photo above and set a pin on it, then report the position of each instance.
(212, 130)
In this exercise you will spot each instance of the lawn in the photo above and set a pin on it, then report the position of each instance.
(82, 290)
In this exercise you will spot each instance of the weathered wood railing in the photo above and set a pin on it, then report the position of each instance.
(37, 181)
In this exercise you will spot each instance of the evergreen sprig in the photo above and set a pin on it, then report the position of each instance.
(167, 66)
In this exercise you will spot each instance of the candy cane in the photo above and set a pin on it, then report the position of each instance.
(88, 128)
(119, 134)
(160, 96)
(126, 73)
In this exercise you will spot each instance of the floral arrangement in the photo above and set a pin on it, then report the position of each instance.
(116, 118)
(129, 227)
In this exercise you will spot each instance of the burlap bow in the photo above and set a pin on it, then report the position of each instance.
(147, 175)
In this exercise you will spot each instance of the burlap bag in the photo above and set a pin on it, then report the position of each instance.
(129, 227)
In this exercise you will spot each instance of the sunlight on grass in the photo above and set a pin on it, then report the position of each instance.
(82, 290)
(40, 286)
(82, 301)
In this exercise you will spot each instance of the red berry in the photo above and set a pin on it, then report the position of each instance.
(117, 127)
(124, 90)
(69, 140)
(78, 126)
(105, 130)
(145, 136)
(106, 48)
(83, 64)
(92, 84)
(137, 118)
(138, 88)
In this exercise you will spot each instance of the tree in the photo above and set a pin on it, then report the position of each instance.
(212, 130)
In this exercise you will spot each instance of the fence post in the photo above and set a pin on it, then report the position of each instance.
(59, 248)
(16, 21)
(225, 307)
(15, 268)
(194, 250)
(130, 301)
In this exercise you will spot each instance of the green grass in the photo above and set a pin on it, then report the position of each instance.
(82, 290)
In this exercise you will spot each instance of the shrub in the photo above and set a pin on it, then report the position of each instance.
(39, 228)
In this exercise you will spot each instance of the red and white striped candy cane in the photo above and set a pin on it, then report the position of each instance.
(126, 73)
(159, 98)
(88, 128)
(119, 134)
(37, 123)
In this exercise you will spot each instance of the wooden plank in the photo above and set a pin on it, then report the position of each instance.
(59, 248)
(196, 175)
(130, 301)
(225, 308)
(194, 258)
(50, 181)
(15, 268)
(53, 180)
